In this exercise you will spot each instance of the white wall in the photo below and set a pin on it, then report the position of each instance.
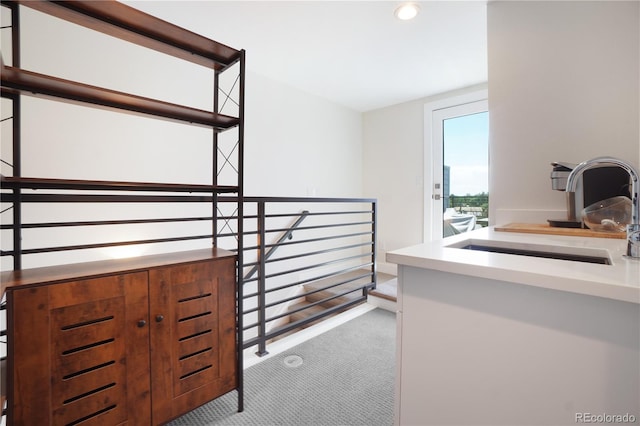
(394, 167)
(563, 86)
(392, 156)
(296, 144)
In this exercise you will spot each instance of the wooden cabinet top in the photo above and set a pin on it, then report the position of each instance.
(12, 280)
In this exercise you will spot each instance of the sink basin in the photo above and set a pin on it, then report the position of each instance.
(574, 254)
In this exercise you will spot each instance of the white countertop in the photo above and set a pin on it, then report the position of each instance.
(619, 281)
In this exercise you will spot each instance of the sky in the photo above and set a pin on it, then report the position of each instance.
(466, 152)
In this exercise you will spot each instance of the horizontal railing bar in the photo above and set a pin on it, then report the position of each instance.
(96, 198)
(310, 280)
(317, 265)
(250, 326)
(228, 234)
(247, 297)
(103, 245)
(314, 240)
(293, 325)
(318, 278)
(311, 253)
(107, 222)
(327, 238)
(350, 280)
(312, 304)
(250, 279)
(314, 253)
(321, 276)
(306, 228)
(293, 311)
(339, 212)
(297, 200)
(310, 228)
(333, 213)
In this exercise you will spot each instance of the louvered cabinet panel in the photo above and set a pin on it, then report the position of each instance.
(89, 361)
(81, 355)
(193, 308)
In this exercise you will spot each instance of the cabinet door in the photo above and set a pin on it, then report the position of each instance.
(193, 335)
(79, 353)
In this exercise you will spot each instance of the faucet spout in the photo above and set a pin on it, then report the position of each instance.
(572, 179)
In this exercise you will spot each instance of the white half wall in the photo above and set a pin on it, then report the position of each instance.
(563, 86)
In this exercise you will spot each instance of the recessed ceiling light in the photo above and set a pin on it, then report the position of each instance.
(407, 11)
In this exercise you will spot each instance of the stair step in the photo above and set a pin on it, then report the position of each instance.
(387, 290)
(341, 278)
(305, 313)
(325, 296)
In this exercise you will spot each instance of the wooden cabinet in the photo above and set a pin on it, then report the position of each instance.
(126, 342)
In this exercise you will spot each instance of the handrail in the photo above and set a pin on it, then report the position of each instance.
(286, 236)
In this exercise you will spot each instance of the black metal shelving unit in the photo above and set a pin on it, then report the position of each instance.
(131, 25)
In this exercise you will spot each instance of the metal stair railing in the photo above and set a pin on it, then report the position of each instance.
(331, 259)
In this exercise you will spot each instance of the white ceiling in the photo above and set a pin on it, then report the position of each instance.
(355, 53)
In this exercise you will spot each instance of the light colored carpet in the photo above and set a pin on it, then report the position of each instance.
(346, 378)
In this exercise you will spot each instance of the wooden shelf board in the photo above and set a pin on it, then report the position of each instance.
(127, 23)
(42, 183)
(35, 84)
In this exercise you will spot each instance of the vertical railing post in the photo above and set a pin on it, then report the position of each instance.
(374, 246)
(262, 327)
(240, 230)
